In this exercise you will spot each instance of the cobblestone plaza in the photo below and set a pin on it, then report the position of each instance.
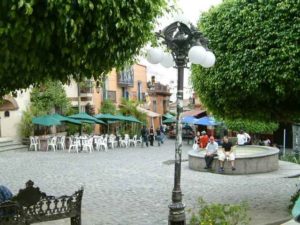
(133, 186)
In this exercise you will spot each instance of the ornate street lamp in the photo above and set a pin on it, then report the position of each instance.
(186, 44)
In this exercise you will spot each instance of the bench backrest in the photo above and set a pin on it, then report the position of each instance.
(32, 205)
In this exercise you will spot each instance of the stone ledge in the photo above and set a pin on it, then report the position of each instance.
(261, 160)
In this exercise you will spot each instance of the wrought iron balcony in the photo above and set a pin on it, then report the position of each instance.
(126, 77)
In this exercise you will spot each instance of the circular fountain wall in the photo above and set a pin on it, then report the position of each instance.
(249, 159)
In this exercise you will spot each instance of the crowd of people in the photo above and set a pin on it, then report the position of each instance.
(150, 135)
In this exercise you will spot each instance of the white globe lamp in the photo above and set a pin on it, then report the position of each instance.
(154, 55)
(209, 60)
(167, 60)
(197, 54)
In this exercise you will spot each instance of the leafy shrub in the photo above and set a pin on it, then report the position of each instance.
(290, 158)
(108, 107)
(294, 198)
(225, 214)
(294, 159)
(26, 127)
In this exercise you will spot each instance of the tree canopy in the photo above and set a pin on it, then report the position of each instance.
(129, 108)
(252, 126)
(59, 38)
(45, 99)
(48, 97)
(256, 74)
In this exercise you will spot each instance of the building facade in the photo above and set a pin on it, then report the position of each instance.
(130, 83)
(11, 111)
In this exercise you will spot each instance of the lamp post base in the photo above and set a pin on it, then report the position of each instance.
(176, 214)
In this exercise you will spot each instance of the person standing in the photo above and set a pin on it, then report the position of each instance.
(226, 153)
(151, 135)
(203, 139)
(196, 144)
(158, 136)
(211, 151)
(144, 134)
(241, 138)
(162, 134)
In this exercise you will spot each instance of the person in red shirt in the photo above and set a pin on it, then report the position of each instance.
(203, 139)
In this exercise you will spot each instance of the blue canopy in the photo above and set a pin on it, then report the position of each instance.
(189, 119)
(207, 121)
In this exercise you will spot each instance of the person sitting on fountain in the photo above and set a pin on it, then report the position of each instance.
(211, 151)
(248, 138)
(226, 153)
(203, 139)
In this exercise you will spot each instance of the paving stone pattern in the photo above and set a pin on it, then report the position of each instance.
(133, 186)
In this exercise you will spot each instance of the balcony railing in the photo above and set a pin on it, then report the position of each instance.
(126, 77)
(160, 89)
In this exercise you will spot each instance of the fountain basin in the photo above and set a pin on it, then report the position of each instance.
(250, 159)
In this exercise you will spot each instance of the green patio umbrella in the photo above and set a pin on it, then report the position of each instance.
(169, 120)
(46, 120)
(86, 118)
(107, 117)
(168, 116)
(124, 118)
(133, 119)
(65, 119)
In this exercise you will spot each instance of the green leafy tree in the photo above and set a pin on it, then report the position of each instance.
(45, 99)
(48, 97)
(252, 126)
(26, 127)
(58, 39)
(129, 108)
(256, 74)
(108, 107)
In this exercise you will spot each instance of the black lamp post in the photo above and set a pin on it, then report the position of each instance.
(185, 44)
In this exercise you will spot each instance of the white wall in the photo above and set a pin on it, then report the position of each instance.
(10, 125)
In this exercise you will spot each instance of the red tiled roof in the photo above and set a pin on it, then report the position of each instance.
(194, 112)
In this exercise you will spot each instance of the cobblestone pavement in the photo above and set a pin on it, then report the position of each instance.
(133, 186)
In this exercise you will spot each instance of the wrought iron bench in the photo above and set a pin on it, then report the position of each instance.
(31, 205)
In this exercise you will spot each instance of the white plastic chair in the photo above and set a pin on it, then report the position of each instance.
(112, 141)
(101, 143)
(87, 145)
(133, 141)
(52, 143)
(139, 141)
(61, 143)
(74, 144)
(125, 142)
(33, 143)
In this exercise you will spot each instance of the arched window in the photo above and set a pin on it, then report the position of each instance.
(6, 114)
